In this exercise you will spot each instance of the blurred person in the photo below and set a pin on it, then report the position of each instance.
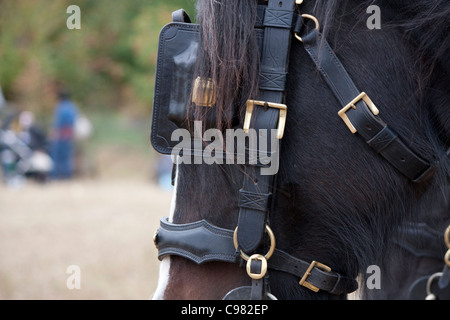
(10, 150)
(30, 133)
(63, 137)
(23, 151)
(38, 161)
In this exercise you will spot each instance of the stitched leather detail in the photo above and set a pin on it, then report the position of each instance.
(278, 18)
(369, 126)
(382, 139)
(202, 242)
(255, 201)
(199, 242)
(272, 81)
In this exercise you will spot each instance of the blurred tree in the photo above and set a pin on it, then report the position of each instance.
(108, 63)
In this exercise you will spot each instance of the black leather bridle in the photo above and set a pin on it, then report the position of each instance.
(278, 24)
(422, 241)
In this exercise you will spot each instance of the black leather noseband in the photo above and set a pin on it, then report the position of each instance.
(201, 242)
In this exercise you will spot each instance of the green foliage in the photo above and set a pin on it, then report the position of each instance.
(108, 63)
(113, 129)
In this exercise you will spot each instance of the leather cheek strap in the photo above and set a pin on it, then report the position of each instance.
(256, 191)
(368, 125)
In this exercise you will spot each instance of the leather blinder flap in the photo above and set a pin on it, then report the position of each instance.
(181, 97)
(176, 104)
(177, 54)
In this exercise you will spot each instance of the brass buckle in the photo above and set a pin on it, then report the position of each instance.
(281, 117)
(313, 264)
(204, 92)
(362, 96)
(263, 270)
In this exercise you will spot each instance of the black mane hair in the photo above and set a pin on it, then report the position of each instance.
(228, 53)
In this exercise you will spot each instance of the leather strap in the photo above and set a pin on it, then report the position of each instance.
(423, 241)
(198, 241)
(418, 290)
(257, 188)
(331, 282)
(368, 125)
(202, 242)
(180, 16)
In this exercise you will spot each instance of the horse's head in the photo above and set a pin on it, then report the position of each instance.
(336, 199)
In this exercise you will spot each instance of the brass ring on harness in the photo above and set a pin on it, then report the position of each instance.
(430, 295)
(447, 242)
(268, 254)
(447, 258)
(313, 19)
(447, 237)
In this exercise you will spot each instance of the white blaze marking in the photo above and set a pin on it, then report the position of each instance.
(164, 267)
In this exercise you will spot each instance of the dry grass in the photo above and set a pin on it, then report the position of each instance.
(103, 226)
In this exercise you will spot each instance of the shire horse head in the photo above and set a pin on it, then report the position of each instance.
(335, 200)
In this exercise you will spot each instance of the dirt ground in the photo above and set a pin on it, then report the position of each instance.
(105, 227)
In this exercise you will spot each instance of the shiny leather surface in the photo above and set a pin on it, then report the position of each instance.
(278, 22)
(177, 50)
(202, 242)
(369, 126)
(199, 241)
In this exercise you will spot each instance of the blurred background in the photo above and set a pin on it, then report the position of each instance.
(80, 183)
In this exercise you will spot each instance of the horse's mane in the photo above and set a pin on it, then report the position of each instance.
(228, 53)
